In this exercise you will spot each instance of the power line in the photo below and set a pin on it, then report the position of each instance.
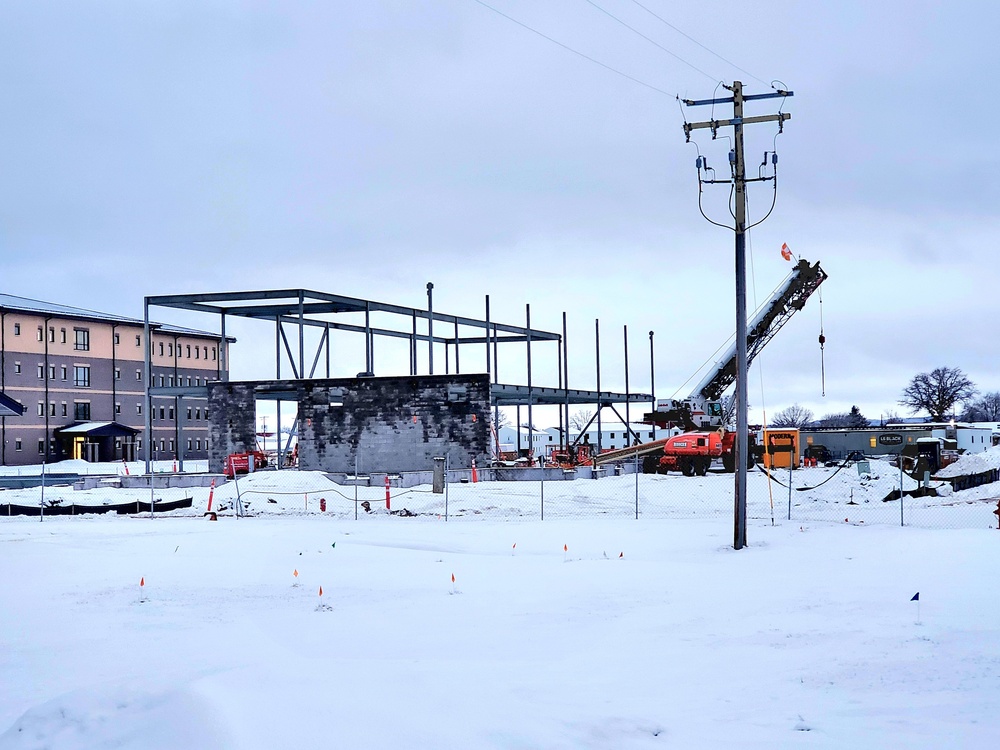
(575, 52)
(692, 39)
(654, 42)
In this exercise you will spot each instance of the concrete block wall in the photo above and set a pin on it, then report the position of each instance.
(392, 424)
(232, 423)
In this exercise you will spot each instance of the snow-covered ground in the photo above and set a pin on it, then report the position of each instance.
(585, 630)
(841, 494)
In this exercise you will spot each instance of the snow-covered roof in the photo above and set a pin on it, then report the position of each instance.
(98, 429)
(24, 304)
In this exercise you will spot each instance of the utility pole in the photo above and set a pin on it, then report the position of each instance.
(739, 182)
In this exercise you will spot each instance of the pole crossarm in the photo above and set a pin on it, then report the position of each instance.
(734, 121)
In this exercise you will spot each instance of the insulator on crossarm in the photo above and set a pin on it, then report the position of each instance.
(732, 156)
(774, 157)
(700, 162)
(822, 340)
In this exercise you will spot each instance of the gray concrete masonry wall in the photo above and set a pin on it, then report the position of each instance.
(392, 424)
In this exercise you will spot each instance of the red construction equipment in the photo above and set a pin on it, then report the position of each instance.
(244, 463)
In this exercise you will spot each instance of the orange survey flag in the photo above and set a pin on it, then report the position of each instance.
(785, 252)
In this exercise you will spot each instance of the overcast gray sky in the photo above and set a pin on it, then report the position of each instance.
(365, 148)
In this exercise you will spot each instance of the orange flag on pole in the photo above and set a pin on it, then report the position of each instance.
(785, 252)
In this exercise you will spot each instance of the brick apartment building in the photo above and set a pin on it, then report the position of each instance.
(79, 375)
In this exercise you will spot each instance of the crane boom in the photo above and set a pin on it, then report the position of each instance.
(702, 409)
(787, 300)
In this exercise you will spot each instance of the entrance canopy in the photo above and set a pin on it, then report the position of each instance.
(9, 407)
(98, 429)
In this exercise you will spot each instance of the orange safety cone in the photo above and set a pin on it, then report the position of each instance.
(208, 511)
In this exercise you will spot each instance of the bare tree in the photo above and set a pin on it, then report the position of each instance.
(937, 392)
(502, 421)
(580, 419)
(793, 416)
(840, 420)
(889, 416)
(986, 408)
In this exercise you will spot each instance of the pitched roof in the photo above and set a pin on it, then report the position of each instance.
(24, 304)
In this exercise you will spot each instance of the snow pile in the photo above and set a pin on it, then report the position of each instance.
(973, 463)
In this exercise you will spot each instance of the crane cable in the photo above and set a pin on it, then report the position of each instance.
(822, 341)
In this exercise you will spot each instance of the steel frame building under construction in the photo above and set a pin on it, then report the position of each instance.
(293, 312)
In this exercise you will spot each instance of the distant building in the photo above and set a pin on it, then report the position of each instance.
(79, 375)
(612, 435)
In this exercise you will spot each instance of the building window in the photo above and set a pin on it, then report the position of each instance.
(138, 374)
(41, 408)
(52, 408)
(189, 351)
(52, 372)
(41, 447)
(197, 354)
(81, 376)
(118, 408)
(162, 444)
(118, 339)
(138, 409)
(189, 414)
(170, 413)
(41, 372)
(171, 446)
(138, 340)
(189, 443)
(170, 380)
(196, 380)
(197, 413)
(197, 444)
(52, 335)
(162, 412)
(118, 373)
(206, 417)
(62, 371)
(17, 368)
(17, 332)
(170, 350)
(62, 335)
(161, 381)
(161, 348)
(205, 349)
(213, 353)
(81, 410)
(41, 337)
(82, 342)
(65, 409)
(189, 381)
(17, 441)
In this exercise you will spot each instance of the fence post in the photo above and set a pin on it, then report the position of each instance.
(543, 494)
(901, 489)
(790, 460)
(636, 485)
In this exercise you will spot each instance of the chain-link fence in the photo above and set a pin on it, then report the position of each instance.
(855, 492)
